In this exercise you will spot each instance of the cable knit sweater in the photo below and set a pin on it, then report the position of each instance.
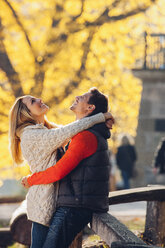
(38, 145)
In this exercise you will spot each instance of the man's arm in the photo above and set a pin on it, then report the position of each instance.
(82, 146)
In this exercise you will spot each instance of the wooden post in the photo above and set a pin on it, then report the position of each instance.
(110, 230)
(21, 230)
(131, 245)
(155, 222)
(21, 227)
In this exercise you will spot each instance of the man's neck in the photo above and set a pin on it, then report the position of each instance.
(80, 116)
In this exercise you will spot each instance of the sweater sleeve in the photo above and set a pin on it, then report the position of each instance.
(51, 139)
(82, 146)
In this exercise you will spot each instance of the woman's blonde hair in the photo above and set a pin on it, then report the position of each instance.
(19, 118)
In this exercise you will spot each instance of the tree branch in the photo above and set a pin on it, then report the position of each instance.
(39, 73)
(74, 18)
(2, 132)
(11, 74)
(114, 4)
(105, 18)
(9, 70)
(3, 114)
(20, 25)
(80, 74)
(39, 80)
(3, 86)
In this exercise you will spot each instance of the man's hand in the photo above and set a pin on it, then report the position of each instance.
(109, 123)
(109, 120)
(24, 182)
(155, 170)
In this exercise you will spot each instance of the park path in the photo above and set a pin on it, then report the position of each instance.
(6, 211)
(125, 210)
(133, 209)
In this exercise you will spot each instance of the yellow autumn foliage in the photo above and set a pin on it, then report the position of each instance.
(58, 49)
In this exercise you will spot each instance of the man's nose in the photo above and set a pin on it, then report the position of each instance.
(40, 100)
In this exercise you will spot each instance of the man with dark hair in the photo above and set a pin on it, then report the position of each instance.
(83, 173)
(99, 100)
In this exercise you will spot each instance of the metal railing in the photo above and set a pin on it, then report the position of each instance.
(153, 57)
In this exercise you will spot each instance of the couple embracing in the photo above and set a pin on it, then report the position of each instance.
(65, 188)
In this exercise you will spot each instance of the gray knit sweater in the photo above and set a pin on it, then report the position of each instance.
(39, 146)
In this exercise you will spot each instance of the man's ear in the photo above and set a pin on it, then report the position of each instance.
(91, 107)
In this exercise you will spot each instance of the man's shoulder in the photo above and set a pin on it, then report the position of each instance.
(84, 135)
(85, 142)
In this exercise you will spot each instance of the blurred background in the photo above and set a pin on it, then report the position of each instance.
(58, 49)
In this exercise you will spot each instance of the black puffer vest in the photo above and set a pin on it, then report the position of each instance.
(87, 186)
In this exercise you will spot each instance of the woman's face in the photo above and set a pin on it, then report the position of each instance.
(35, 105)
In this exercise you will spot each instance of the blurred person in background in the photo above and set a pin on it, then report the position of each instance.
(159, 158)
(158, 163)
(36, 140)
(125, 158)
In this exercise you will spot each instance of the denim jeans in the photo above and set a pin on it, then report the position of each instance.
(39, 233)
(66, 223)
(125, 177)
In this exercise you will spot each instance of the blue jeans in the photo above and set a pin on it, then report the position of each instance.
(66, 223)
(125, 177)
(39, 233)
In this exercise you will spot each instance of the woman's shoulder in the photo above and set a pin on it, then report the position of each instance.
(35, 126)
(31, 129)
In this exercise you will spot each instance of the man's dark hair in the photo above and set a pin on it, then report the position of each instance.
(99, 100)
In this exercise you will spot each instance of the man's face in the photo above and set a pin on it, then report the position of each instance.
(81, 106)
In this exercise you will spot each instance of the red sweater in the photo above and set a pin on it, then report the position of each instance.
(82, 145)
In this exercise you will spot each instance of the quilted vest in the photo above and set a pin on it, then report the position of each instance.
(87, 186)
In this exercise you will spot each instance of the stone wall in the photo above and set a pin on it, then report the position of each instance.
(151, 123)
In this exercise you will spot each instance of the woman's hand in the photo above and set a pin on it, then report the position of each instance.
(24, 182)
(109, 120)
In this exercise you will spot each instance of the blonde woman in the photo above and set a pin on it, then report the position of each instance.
(34, 139)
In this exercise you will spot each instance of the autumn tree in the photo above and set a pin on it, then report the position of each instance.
(57, 49)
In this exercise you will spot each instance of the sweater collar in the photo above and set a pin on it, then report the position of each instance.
(36, 126)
